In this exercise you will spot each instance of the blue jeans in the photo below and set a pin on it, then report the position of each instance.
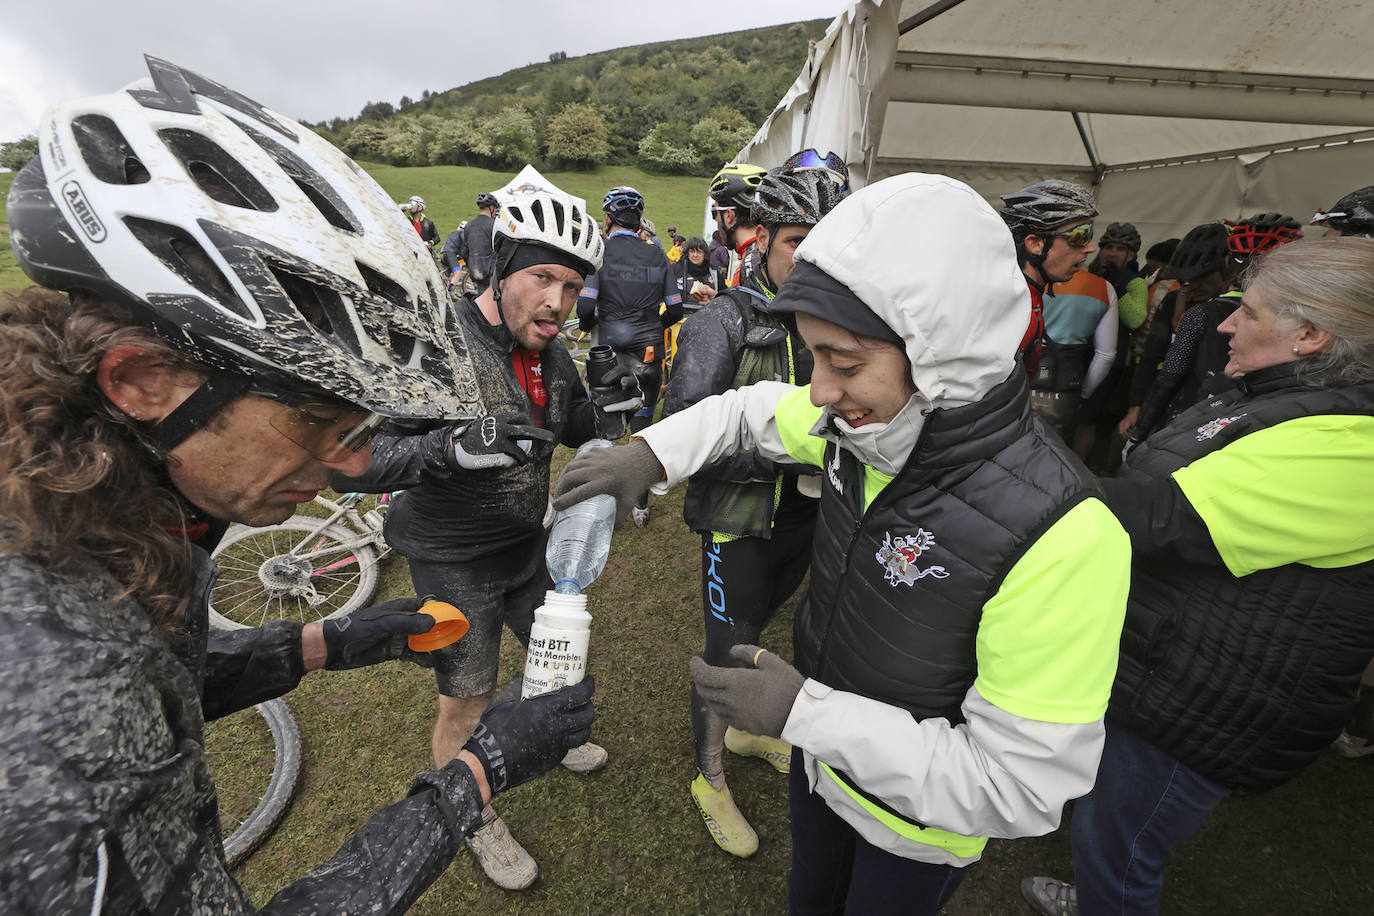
(1144, 804)
(834, 870)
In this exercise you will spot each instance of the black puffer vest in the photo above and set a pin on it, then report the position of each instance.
(1245, 680)
(897, 592)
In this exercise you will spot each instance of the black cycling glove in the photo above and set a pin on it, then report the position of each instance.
(520, 740)
(615, 401)
(376, 634)
(493, 442)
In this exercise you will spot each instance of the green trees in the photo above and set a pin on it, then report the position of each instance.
(16, 154)
(680, 107)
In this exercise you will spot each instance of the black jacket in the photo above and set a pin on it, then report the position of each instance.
(104, 759)
(625, 295)
(475, 247)
(446, 516)
(988, 479)
(1245, 680)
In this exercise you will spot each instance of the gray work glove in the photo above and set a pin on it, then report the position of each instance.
(376, 634)
(756, 697)
(523, 739)
(623, 471)
(494, 442)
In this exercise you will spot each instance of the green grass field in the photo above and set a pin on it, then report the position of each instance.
(450, 191)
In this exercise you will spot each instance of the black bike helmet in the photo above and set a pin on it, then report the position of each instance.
(624, 205)
(735, 184)
(1123, 234)
(1353, 214)
(796, 197)
(487, 199)
(1047, 205)
(243, 239)
(1202, 251)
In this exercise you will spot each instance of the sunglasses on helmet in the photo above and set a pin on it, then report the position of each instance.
(1079, 236)
(830, 162)
(329, 430)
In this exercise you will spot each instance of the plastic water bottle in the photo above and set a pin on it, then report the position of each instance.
(580, 539)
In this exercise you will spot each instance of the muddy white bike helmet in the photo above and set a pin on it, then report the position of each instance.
(243, 239)
(552, 220)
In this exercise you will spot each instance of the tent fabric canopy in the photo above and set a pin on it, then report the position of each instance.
(1177, 112)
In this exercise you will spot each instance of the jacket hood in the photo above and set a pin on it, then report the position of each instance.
(935, 262)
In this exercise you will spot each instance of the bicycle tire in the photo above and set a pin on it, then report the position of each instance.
(234, 784)
(251, 558)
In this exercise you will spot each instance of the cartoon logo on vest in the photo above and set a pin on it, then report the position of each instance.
(898, 557)
(1212, 427)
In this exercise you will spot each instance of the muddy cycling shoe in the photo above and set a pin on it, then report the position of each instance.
(585, 758)
(1352, 745)
(1050, 897)
(723, 820)
(775, 750)
(640, 515)
(501, 856)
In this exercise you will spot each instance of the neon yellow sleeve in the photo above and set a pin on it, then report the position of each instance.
(795, 415)
(1048, 641)
(1298, 492)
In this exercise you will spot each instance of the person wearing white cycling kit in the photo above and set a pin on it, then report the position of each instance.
(755, 516)
(1071, 345)
(624, 298)
(241, 306)
(956, 646)
(476, 492)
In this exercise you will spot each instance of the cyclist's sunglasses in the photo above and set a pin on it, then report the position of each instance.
(810, 159)
(1078, 236)
(329, 430)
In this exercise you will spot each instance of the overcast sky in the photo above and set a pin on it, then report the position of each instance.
(315, 60)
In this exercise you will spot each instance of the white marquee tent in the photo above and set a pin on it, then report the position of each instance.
(1176, 112)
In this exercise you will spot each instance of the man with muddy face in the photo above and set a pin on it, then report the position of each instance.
(470, 519)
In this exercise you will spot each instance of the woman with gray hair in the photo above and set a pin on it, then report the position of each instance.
(1251, 520)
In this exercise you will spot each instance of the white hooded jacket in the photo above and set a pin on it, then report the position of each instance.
(936, 264)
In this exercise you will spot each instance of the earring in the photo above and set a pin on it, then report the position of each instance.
(1296, 351)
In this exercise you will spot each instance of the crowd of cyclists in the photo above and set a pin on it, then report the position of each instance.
(1077, 530)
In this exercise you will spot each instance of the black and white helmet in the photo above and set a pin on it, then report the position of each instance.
(1353, 214)
(550, 219)
(1047, 205)
(796, 197)
(243, 239)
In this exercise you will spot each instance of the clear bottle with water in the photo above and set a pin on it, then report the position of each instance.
(580, 539)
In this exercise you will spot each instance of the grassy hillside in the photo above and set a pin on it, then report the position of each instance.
(450, 190)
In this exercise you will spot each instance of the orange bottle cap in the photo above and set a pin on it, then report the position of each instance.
(450, 626)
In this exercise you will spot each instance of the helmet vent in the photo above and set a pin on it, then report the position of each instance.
(108, 155)
(185, 257)
(323, 308)
(312, 183)
(216, 173)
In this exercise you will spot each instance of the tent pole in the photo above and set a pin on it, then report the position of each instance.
(1098, 168)
(925, 15)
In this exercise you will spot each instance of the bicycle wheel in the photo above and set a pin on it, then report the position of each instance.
(255, 761)
(578, 343)
(283, 572)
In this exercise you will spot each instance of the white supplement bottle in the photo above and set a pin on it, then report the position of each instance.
(557, 655)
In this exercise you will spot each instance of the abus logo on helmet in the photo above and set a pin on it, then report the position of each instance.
(81, 210)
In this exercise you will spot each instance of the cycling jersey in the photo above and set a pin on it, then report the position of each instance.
(623, 298)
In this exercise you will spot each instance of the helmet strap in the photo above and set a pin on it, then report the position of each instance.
(192, 414)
